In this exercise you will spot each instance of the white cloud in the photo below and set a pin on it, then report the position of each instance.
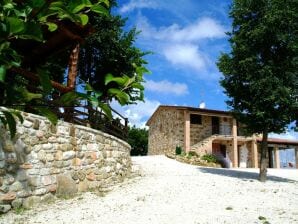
(185, 55)
(290, 135)
(201, 29)
(180, 45)
(137, 4)
(137, 114)
(166, 87)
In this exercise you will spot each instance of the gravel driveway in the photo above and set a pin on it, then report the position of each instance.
(169, 192)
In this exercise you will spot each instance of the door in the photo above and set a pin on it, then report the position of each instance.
(223, 150)
(215, 125)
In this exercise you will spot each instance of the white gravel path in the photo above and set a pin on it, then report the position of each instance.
(169, 192)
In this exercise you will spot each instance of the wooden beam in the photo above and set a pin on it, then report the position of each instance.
(34, 77)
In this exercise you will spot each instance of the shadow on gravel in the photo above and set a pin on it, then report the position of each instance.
(243, 175)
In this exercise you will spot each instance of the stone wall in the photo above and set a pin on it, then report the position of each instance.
(166, 131)
(44, 161)
(199, 132)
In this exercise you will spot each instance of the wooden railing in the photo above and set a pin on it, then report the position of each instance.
(96, 119)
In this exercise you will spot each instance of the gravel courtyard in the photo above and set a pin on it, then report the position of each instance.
(169, 192)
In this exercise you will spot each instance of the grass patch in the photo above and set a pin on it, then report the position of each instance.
(19, 210)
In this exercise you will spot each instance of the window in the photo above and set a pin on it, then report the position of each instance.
(195, 119)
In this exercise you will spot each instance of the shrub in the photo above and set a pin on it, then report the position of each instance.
(192, 153)
(178, 150)
(209, 158)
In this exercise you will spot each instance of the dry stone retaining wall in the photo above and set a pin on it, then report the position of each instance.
(44, 161)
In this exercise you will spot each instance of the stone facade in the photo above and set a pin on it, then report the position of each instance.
(43, 161)
(207, 131)
(166, 132)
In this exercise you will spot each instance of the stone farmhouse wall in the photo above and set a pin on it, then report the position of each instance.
(199, 132)
(166, 132)
(44, 161)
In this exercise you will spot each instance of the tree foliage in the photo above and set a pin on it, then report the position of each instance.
(110, 62)
(27, 23)
(138, 139)
(260, 72)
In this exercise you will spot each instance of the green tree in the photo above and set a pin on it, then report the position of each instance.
(109, 54)
(138, 139)
(260, 72)
(24, 24)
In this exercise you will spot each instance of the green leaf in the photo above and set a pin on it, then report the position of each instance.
(32, 31)
(36, 3)
(88, 88)
(106, 2)
(106, 109)
(52, 26)
(18, 114)
(16, 25)
(45, 81)
(84, 19)
(12, 125)
(122, 97)
(2, 73)
(119, 80)
(52, 117)
(137, 85)
(28, 96)
(100, 10)
(68, 98)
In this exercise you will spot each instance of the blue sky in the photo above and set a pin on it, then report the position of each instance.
(186, 38)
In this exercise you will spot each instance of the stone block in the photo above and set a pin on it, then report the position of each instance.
(2, 172)
(68, 155)
(83, 186)
(58, 156)
(91, 177)
(40, 191)
(81, 175)
(52, 139)
(55, 171)
(8, 197)
(22, 175)
(58, 164)
(76, 162)
(47, 146)
(34, 181)
(4, 208)
(67, 164)
(44, 171)
(46, 180)
(16, 186)
(17, 203)
(31, 201)
(66, 185)
(26, 166)
(24, 194)
(27, 124)
(33, 171)
(52, 188)
(49, 157)
(47, 198)
(42, 156)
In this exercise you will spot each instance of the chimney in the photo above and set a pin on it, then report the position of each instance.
(202, 105)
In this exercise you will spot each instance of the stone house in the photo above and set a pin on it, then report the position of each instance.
(210, 132)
